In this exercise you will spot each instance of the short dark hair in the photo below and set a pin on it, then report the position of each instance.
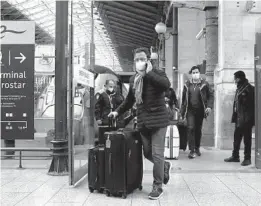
(240, 74)
(194, 68)
(142, 49)
(109, 80)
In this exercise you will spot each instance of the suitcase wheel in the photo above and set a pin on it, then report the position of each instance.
(124, 195)
(91, 189)
(176, 158)
(140, 187)
(108, 194)
(101, 190)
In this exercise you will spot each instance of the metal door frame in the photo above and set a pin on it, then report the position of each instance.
(258, 94)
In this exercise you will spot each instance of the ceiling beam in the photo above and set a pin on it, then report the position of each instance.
(141, 5)
(112, 15)
(123, 26)
(132, 36)
(127, 23)
(124, 42)
(127, 13)
(121, 39)
(135, 34)
(137, 10)
(136, 45)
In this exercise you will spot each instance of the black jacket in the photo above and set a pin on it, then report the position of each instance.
(206, 93)
(152, 113)
(244, 105)
(105, 104)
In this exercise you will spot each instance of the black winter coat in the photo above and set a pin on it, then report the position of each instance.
(105, 104)
(206, 93)
(244, 105)
(152, 113)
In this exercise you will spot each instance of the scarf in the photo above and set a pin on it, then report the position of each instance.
(240, 88)
(138, 84)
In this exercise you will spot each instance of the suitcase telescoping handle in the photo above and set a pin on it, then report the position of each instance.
(112, 122)
(110, 164)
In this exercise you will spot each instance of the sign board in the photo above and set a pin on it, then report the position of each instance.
(17, 79)
(83, 76)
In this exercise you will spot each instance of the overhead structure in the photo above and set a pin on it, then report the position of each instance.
(43, 13)
(130, 24)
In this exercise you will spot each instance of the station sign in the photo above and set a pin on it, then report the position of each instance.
(17, 79)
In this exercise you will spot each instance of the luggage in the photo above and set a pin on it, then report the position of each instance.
(172, 143)
(183, 141)
(96, 169)
(123, 162)
(106, 128)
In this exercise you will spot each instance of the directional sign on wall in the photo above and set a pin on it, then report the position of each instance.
(17, 79)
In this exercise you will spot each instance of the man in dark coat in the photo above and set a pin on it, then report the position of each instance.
(197, 103)
(107, 102)
(147, 89)
(244, 118)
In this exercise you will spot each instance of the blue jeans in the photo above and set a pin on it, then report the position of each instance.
(153, 148)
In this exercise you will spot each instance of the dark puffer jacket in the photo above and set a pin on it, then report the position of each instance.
(206, 93)
(105, 104)
(244, 105)
(152, 113)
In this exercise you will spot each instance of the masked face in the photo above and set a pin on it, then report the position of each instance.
(140, 61)
(195, 74)
(110, 86)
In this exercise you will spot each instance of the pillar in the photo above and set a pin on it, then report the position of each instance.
(175, 50)
(211, 55)
(59, 164)
(236, 43)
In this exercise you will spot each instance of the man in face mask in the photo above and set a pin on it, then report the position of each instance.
(147, 89)
(107, 102)
(243, 117)
(197, 102)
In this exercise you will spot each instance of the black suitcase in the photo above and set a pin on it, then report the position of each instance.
(96, 173)
(123, 162)
(105, 128)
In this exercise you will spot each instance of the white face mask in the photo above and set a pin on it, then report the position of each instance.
(111, 89)
(140, 65)
(195, 76)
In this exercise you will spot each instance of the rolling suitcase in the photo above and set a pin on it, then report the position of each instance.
(96, 169)
(123, 162)
(172, 143)
(106, 128)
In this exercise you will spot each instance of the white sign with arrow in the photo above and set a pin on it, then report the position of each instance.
(22, 57)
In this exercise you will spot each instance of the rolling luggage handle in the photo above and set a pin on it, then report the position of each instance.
(110, 164)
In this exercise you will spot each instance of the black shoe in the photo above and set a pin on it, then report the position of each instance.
(155, 193)
(232, 159)
(167, 168)
(192, 155)
(198, 152)
(246, 162)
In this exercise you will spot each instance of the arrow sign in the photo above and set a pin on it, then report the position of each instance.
(22, 58)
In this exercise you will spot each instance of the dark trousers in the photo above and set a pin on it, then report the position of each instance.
(153, 149)
(194, 126)
(241, 131)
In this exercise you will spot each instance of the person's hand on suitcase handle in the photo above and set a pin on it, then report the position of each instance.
(113, 114)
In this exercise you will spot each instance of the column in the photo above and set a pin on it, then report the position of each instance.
(59, 165)
(211, 56)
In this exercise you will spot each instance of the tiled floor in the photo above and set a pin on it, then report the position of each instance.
(183, 189)
(204, 181)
